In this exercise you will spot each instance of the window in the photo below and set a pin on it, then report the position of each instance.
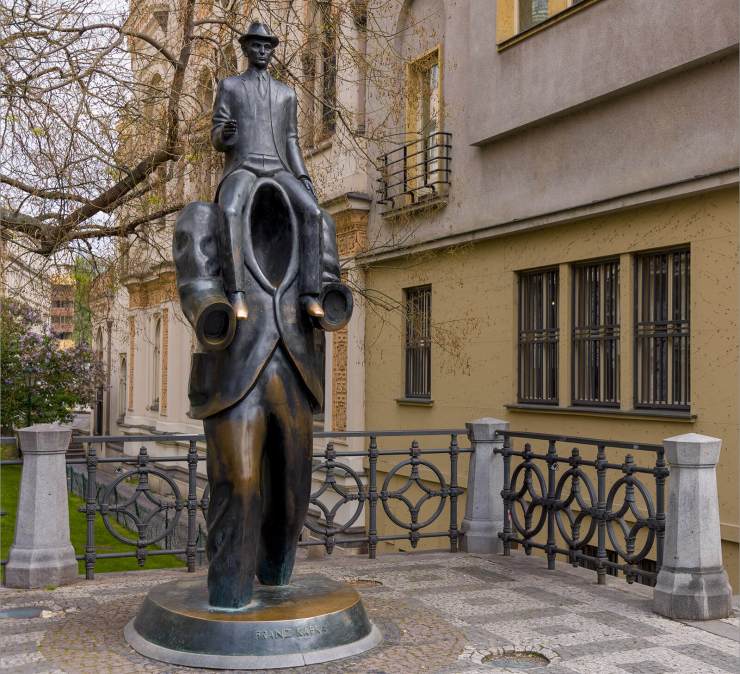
(532, 12)
(662, 307)
(122, 386)
(518, 16)
(418, 342)
(538, 337)
(596, 333)
(424, 123)
(157, 364)
(320, 73)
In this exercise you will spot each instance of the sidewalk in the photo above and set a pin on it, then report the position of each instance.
(440, 613)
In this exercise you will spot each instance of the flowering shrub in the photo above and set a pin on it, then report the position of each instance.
(39, 382)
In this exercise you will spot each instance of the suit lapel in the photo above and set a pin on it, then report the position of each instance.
(249, 92)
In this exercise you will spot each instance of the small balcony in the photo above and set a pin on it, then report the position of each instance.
(416, 175)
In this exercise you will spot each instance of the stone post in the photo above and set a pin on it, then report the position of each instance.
(42, 553)
(484, 507)
(692, 583)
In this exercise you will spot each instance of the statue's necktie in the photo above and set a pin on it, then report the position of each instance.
(261, 84)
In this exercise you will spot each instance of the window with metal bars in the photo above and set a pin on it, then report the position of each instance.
(538, 337)
(419, 342)
(596, 334)
(662, 338)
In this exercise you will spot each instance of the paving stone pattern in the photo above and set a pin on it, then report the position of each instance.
(440, 613)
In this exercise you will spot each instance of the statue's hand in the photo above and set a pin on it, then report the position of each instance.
(309, 186)
(229, 128)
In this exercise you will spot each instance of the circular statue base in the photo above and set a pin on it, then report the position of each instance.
(314, 619)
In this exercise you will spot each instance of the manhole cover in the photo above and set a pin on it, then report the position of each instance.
(22, 612)
(517, 659)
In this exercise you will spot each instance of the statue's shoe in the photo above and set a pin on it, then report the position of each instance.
(240, 307)
(313, 308)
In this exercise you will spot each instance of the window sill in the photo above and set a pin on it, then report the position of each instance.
(425, 203)
(544, 25)
(415, 402)
(607, 412)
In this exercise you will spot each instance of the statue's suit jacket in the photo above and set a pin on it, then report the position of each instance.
(234, 102)
(219, 379)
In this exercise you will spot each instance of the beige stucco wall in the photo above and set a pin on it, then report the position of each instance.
(474, 321)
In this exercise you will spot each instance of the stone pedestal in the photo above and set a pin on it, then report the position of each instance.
(484, 507)
(42, 553)
(692, 583)
(312, 620)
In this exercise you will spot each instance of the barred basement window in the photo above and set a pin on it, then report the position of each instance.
(662, 346)
(538, 337)
(419, 342)
(596, 334)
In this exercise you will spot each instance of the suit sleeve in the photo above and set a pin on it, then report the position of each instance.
(221, 113)
(293, 148)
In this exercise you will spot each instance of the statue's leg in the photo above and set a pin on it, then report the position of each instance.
(232, 197)
(235, 440)
(330, 257)
(309, 233)
(286, 472)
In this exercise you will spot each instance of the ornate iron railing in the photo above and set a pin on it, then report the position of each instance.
(566, 514)
(154, 515)
(414, 171)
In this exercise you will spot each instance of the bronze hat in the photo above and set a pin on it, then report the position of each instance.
(258, 30)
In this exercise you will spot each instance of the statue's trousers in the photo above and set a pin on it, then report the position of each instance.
(259, 469)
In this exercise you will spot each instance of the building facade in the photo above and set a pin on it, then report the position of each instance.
(579, 274)
(545, 232)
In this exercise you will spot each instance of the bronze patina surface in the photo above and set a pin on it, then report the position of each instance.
(313, 619)
(258, 278)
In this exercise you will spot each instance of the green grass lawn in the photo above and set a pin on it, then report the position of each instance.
(10, 478)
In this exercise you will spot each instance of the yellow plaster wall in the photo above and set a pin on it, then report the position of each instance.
(474, 327)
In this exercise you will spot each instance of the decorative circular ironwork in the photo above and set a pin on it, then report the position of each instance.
(517, 496)
(400, 494)
(345, 496)
(142, 517)
(572, 532)
(641, 521)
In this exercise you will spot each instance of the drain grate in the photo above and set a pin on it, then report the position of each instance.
(22, 612)
(517, 659)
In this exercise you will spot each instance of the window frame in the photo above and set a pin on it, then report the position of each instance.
(553, 401)
(320, 73)
(416, 69)
(637, 305)
(157, 362)
(602, 327)
(508, 21)
(426, 346)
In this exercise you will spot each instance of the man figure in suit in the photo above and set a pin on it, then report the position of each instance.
(255, 125)
(257, 382)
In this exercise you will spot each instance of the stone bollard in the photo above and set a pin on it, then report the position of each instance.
(484, 506)
(692, 583)
(42, 553)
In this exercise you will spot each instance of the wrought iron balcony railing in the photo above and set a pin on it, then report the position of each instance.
(415, 172)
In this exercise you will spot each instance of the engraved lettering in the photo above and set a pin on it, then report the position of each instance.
(289, 633)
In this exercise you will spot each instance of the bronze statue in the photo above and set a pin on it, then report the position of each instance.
(258, 278)
(255, 125)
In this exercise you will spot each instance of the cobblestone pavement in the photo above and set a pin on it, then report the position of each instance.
(439, 613)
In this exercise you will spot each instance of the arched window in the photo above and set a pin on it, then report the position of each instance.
(99, 345)
(157, 363)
